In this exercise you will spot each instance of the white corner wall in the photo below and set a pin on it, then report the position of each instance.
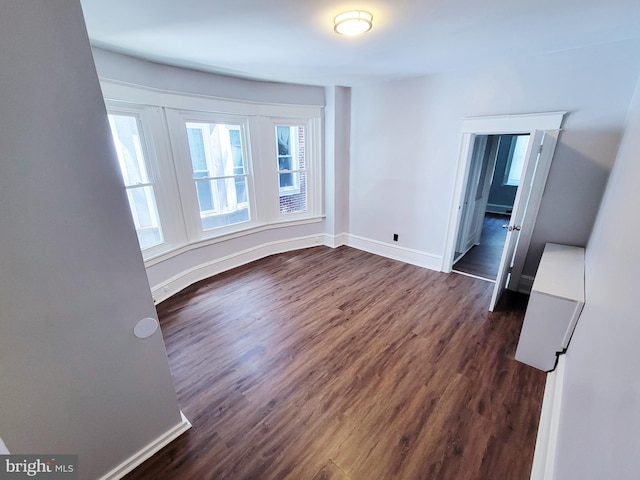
(600, 408)
(406, 138)
(73, 377)
(337, 151)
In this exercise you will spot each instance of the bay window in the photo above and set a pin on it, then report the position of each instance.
(199, 169)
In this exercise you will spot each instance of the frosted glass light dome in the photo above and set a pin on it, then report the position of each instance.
(354, 22)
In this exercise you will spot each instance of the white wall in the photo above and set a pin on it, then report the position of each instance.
(403, 148)
(406, 137)
(199, 261)
(599, 433)
(337, 151)
(73, 378)
(164, 77)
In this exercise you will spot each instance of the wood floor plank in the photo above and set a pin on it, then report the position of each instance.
(337, 364)
(483, 259)
(330, 471)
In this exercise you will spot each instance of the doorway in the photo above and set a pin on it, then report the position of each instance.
(497, 162)
(543, 130)
(483, 259)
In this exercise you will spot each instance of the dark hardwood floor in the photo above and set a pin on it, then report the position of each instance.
(483, 260)
(339, 364)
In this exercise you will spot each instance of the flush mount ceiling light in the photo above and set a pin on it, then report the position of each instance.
(353, 22)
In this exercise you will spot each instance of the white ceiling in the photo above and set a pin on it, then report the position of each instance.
(293, 40)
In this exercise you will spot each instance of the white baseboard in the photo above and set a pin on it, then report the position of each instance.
(192, 275)
(526, 284)
(139, 457)
(403, 254)
(547, 440)
(335, 241)
(501, 209)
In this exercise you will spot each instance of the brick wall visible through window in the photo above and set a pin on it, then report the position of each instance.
(297, 202)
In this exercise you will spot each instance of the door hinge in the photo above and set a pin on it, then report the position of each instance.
(540, 149)
(510, 269)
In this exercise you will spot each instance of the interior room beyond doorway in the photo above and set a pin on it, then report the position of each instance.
(483, 259)
(490, 196)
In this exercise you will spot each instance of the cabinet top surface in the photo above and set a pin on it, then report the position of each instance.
(561, 272)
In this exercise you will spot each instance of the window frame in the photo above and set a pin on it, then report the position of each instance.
(178, 130)
(295, 163)
(149, 121)
(312, 169)
(183, 234)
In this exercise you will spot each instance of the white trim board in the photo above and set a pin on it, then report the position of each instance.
(459, 272)
(499, 209)
(506, 124)
(547, 441)
(147, 452)
(335, 241)
(526, 284)
(192, 275)
(188, 277)
(143, 95)
(403, 254)
(168, 255)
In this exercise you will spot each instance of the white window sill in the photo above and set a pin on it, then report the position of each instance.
(177, 250)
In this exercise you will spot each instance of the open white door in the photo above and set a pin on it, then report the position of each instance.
(520, 206)
(533, 205)
(468, 223)
(472, 128)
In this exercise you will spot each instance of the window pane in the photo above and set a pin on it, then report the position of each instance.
(236, 152)
(285, 162)
(287, 181)
(283, 135)
(216, 150)
(196, 149)
(222, 202)
(205, 196)
(293, 199)
(291, 166)
(517, 160)
(126, 138)
(145, 216)
(219, 173)
(133, 166)
(241, 190)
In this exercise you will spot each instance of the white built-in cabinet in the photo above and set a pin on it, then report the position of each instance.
(556, 301)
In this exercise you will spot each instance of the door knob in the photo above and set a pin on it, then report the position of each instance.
(512, 228)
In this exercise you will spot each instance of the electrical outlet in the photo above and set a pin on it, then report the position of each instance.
(395, 237)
